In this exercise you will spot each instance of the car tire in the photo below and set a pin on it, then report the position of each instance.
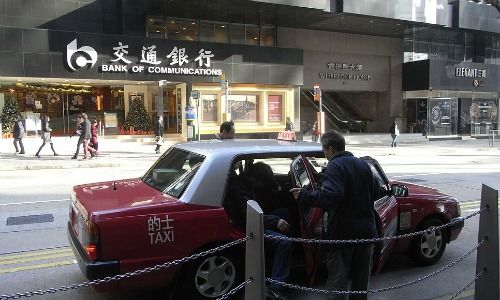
(427, 248)
(210, 276)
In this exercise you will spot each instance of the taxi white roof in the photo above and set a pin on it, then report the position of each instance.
(246, 146)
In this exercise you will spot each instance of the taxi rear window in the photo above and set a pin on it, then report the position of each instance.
(173, 172)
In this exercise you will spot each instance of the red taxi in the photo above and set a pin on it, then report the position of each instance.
(178, 208)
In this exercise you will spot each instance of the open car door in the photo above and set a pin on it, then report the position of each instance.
(311, 218)
(387, 209)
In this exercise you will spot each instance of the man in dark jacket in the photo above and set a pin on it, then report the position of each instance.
(347, 194)
(18, 134)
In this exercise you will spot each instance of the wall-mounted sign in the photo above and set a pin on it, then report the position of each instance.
(344, 76)
(150, 61)
(470, 72)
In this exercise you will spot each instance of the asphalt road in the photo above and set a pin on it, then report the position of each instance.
(37, 256)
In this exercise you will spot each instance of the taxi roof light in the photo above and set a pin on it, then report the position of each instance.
(287, 135)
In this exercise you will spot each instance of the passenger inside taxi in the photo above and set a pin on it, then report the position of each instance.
(258, 183)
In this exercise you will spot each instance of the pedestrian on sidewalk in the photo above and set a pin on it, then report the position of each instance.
(87, 135)
(288, 124)
(18, 134)
(78, 131)
(159, 130)
(94, 142)
(394, 134)
(46, 135)
(315, 132)
(226, 131)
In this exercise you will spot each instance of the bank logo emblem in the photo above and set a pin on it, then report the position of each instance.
(80, 57)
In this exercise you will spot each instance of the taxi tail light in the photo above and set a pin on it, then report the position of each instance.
(91, 241)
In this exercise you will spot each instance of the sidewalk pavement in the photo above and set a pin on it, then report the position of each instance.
(112, 152)
(115, 152)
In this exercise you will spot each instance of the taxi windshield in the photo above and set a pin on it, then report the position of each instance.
(172, 173)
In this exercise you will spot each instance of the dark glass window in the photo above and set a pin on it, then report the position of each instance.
(214, 32)
(252, 35)
(238, 34)
(181, 29)
(268, 36)
(155, 27)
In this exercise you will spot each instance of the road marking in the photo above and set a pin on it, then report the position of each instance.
(35, 258)
(33, 253)
(465, 294)
(34, 202)
(39, 266)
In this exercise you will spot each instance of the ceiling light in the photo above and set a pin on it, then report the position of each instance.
(194, 23)
(184, 28)
(157, 31)
(87, 81)
(222, 26)
(255, 38)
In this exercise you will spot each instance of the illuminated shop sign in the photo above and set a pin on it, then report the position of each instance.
(341, 75)
(471, 73)
(151, 61)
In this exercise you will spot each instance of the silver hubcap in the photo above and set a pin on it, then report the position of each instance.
(431, 242)
(214, 276)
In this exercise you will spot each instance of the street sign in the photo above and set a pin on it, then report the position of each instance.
(317, 93)
(195, 94)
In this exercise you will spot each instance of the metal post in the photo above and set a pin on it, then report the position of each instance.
(487, 286)
(254, 258)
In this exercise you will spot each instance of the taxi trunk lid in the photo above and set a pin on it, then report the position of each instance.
(117, 197)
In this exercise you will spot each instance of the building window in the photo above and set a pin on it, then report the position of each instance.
(182, 29)
(238, 34)
(275, 108)
(252, 35)
(155, 27)
(214, 32)
(209, 113)
(268, 36)
(244, 107)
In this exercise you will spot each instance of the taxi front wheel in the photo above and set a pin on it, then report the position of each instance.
(210, 277)
(428, 248)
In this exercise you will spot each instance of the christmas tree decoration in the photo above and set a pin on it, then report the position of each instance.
(10, 110)
(137, 117)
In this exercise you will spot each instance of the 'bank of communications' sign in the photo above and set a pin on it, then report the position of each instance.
(175, 62)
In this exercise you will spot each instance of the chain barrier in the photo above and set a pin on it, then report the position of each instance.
(467, 285)
(125, 275)
(235, 290)
(381, 290)
(374, 240)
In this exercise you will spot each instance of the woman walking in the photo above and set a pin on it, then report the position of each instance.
(18, 134)
(46, 135)
(159, 129)
(394, 134)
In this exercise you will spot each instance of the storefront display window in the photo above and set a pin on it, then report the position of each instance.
(209, 113)
(483, 116)
(244, 107)
(275, 108)
(442, 116)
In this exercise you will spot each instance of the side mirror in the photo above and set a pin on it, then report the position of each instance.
(399, 190)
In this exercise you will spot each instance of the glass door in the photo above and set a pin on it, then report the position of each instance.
(483, 115)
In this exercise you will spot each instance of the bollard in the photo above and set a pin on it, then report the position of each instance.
(487, 256)
(254, 253)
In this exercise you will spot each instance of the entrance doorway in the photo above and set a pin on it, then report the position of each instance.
(416, 111)
(172, 108)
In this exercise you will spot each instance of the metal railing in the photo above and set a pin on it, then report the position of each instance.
(486, 278)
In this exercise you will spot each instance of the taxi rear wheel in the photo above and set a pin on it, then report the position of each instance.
(428, 248)
(210, 277)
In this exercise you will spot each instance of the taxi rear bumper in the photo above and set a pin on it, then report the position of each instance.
(91, 269)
